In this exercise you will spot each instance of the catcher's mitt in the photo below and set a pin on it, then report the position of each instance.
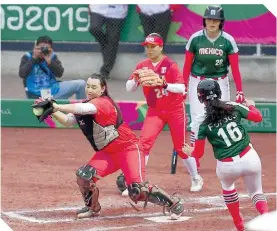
(46, 107)
(147, 77)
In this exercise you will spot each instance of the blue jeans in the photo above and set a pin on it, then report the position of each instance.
(69, 88)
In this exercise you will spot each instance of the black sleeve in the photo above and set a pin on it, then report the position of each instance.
(26, 66)
(56, 67)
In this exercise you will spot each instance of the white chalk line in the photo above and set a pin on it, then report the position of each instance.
(120, 227)
(21, 216)
(47, 220)
(201, 200)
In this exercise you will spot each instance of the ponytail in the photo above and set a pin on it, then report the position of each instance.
(217, 110)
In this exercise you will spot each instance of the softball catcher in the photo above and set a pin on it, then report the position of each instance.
(116, 147)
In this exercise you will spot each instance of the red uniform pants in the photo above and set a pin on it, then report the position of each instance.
(131, 161)
(154, 123)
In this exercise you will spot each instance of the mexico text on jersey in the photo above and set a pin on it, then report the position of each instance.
(211, 55)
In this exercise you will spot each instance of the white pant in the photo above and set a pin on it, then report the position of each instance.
(248, 167)
(197, 111)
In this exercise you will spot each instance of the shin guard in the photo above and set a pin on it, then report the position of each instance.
(89, 190)
(154, 194)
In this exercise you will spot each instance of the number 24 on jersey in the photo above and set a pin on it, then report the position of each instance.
(161, 92)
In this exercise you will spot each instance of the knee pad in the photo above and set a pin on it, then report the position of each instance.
(85, 175)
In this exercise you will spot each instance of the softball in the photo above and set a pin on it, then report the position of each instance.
(38, 111)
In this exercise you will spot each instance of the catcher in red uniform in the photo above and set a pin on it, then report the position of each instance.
(116, 148)
(164, 90)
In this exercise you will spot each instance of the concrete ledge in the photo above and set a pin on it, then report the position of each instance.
(81, 64)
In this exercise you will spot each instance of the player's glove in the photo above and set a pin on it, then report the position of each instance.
(46, 107)
(147, 77)
(239, 97)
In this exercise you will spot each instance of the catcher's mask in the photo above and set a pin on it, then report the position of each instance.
(214, 12)
(153, 38)
(208, 89)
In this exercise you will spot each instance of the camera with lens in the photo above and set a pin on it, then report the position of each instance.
(45, 50)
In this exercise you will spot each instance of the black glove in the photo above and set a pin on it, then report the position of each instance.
(47, 106)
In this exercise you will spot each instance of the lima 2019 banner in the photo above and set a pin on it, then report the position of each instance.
(247, 23)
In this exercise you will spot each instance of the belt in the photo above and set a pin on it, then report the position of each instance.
(230, 159)
(204, 77)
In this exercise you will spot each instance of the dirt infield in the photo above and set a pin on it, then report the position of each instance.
(39, 190)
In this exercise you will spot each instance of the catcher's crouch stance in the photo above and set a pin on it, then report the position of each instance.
(116, 148)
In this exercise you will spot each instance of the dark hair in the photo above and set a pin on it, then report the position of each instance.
(103, 83)
(217, 110)
(44, 39)
(155, 35)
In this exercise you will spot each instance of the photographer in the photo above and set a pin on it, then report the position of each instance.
(39, 70)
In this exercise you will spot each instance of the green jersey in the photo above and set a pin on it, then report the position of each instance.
(229, 137)
(211, 55)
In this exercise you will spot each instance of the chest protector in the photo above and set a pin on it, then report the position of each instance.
(99, 136)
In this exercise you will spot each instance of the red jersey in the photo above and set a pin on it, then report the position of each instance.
(158, 97)
(106, 115)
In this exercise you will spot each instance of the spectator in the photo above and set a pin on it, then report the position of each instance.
(39, 69)
(156, 18)
(112, 17)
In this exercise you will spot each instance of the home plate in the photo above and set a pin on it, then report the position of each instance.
(166, 219)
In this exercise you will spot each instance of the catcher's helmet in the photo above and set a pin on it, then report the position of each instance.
(214, 12)
(208, 89)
